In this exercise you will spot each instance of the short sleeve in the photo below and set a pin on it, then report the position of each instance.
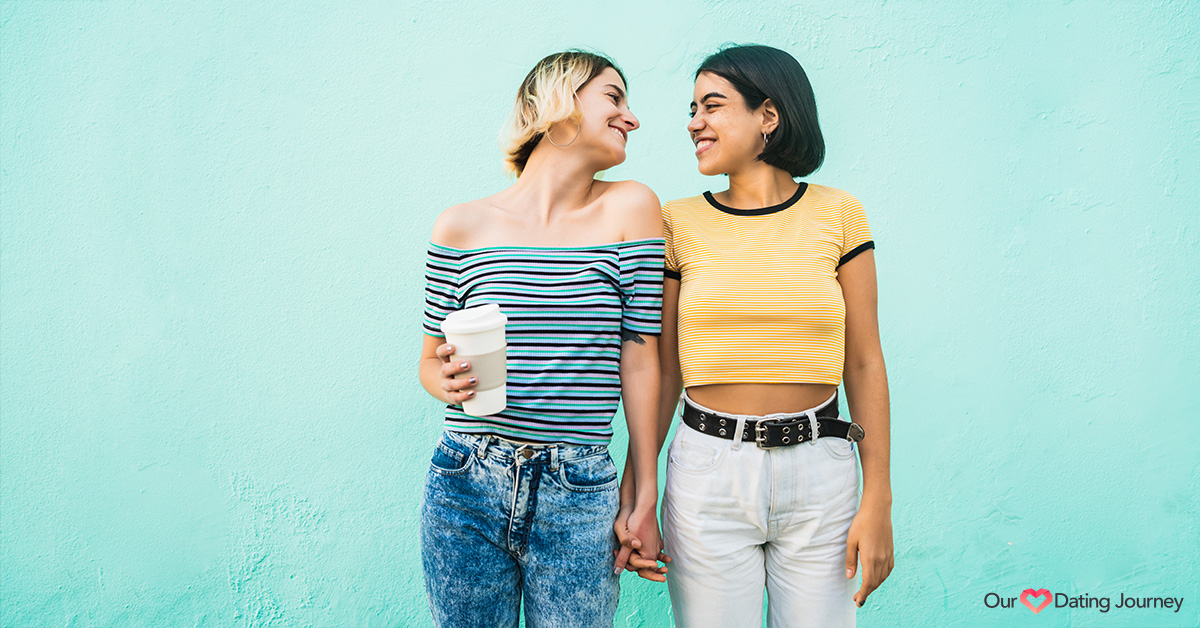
(441, 288)
(671, 266)
(856, 233)
(641, 266)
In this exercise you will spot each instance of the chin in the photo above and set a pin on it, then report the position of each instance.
(708, 166)
(616, 159)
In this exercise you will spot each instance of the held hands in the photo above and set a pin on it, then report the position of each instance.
(870, 540)
(456, 390)
(641, 546)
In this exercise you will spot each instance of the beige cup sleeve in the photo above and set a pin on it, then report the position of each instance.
(491, 368)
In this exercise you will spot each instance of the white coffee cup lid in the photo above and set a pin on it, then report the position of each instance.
(474, 319)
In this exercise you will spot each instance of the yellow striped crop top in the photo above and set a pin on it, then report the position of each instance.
(759, 300)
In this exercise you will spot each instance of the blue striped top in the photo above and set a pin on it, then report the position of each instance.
(566, 308)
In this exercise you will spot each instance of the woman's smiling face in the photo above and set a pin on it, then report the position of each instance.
(605, 116)
(727, 135)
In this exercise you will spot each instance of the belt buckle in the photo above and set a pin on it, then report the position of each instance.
(760, 433)
(855, 433)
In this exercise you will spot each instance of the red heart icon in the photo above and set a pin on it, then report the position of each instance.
(1028, 593)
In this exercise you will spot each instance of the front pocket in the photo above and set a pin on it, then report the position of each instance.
(694, 457)
(449, 461)
(838, 448)
(586, 475)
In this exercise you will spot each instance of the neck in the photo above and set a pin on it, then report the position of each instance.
(759, 185)
(554, 181)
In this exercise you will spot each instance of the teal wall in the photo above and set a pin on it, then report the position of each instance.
(213, 217)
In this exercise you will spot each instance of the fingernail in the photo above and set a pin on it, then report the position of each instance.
(465, 365)
(474, 380)
(617, 571)
(849, 574)
(450, 348)
(471, 393)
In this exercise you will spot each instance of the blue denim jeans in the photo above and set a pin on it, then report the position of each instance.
(501, 520)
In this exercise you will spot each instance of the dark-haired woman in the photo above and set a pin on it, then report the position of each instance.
(768, 305)
(519, 506)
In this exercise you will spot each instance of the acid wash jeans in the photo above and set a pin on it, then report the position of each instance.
(501, 520)
(737, 519)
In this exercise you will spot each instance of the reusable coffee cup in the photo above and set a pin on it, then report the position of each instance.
(477, 334)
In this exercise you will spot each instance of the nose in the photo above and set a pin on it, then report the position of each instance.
(696, 124)
(630, 120)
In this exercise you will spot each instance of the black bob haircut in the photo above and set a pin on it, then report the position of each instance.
(762, 72)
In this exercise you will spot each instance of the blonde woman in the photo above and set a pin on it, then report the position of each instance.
(519, 506)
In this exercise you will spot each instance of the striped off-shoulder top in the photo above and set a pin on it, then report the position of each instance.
(567, 310)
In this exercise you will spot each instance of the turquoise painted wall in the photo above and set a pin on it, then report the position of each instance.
(213, 216)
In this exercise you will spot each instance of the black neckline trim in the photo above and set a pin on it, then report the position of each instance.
(762, 211)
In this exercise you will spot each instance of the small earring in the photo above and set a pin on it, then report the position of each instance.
(766, 139)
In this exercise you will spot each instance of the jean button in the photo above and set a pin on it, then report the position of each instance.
(527, 453)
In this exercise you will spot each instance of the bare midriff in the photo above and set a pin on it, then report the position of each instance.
(761, 399)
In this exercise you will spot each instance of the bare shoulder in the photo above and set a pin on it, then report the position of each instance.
(456, 224)
(631, 194)
(636, 207)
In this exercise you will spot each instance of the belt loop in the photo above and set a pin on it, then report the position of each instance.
(481, 451)
(554, 458)
(741, 429)
(813, 427)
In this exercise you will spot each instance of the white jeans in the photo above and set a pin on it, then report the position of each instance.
(738, 519)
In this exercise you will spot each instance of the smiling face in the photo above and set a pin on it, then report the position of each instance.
(605, 118)
(727, 135)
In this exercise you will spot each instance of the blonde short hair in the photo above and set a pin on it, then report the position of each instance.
(547, 96)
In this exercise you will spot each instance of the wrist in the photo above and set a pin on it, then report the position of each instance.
(881, 499)
(646, 499)
(645, 477)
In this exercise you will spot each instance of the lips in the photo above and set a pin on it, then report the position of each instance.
(704, 144)
(621, 132)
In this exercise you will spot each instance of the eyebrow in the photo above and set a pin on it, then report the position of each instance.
(710, 95)
(620, 91)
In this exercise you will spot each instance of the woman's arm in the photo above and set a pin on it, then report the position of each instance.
(668, 360)
(672, 386)
(865, 379)
(672, 380)
(434, 368)
(636, 525)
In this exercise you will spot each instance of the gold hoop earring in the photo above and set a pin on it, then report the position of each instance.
(551, 140)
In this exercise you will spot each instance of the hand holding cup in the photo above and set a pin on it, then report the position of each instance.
(478, 356)
(457, 390)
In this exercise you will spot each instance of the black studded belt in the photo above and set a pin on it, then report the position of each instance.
(780, 431)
